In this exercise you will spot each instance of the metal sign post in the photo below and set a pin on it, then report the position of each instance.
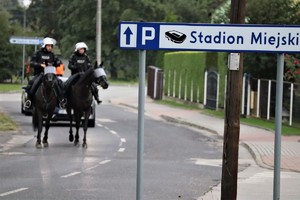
(141, 105)
(23, 63)
(278, 123)
(209, 37)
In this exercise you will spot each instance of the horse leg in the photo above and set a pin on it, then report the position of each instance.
(40, 128)
(71, 137)
(77, 119)
(47, 125)
(85, 125)
(84, 144)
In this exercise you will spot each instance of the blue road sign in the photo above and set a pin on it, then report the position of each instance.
(209, 37)
(26, 40)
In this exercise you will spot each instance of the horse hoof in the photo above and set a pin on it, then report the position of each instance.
(71, 138)
(38, 146)
(76, 143)
(84, 145)
(46, 144)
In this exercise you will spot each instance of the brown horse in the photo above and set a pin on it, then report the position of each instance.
(44, 103)
(80, 98)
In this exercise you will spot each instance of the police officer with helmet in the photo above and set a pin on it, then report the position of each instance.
(80, 62)
(40, 59)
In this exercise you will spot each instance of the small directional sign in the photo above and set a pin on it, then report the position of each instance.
(26, 40)
(209, 37)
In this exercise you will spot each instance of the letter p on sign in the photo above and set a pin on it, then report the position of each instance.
(148, 33)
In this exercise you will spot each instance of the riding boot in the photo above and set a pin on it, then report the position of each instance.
(59, 92)
(28, 94)
(28, 98)
(31, 89)
(95, 93)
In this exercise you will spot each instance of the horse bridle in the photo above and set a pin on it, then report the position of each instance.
(44, 88)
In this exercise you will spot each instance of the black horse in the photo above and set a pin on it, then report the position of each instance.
(44, 103)
(79, 98)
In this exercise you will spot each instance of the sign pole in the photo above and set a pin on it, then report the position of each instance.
(23, 60)
(232, 113)
(98, 31)
(278, 123)
(140, 150)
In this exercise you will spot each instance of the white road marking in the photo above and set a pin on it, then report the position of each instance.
(123, 140)
(12, 153)
(99, 125)
(113, 132)
(70, 174)
(105, 120)
(207, 162)
(93, 167)
(104, 162)
(12, 192)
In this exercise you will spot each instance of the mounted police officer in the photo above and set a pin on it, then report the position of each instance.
(80, 62)
(40, 59)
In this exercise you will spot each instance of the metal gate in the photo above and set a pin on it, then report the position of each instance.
(155, 82)
(212, 90)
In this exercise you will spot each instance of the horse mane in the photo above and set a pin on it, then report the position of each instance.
(86, 77)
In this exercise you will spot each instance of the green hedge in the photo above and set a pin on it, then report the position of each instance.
(184, 74)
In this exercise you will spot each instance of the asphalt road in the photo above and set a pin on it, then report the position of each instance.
(179, 162)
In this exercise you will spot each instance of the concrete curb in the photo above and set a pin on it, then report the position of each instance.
(256, 155)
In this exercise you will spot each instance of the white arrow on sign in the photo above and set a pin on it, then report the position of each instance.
(128, 35)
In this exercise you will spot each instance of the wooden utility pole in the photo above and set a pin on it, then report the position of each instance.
(232, 116)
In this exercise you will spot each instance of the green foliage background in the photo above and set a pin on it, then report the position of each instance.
(71, 21)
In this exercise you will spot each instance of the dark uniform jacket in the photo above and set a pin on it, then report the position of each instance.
(79, 63)
(43, 57)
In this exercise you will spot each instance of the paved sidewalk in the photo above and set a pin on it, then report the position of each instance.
(259, 142)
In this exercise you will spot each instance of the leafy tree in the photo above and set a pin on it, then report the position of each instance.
(9, 66)
(273, 11)
(42, 17)
(77, 20)
(220, 15)
(262, 65)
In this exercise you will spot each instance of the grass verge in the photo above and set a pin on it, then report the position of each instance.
(10, 87)
(252, 121)
(6, 123)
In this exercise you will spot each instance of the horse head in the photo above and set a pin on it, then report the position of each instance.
(100, 76)
(49, 76)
